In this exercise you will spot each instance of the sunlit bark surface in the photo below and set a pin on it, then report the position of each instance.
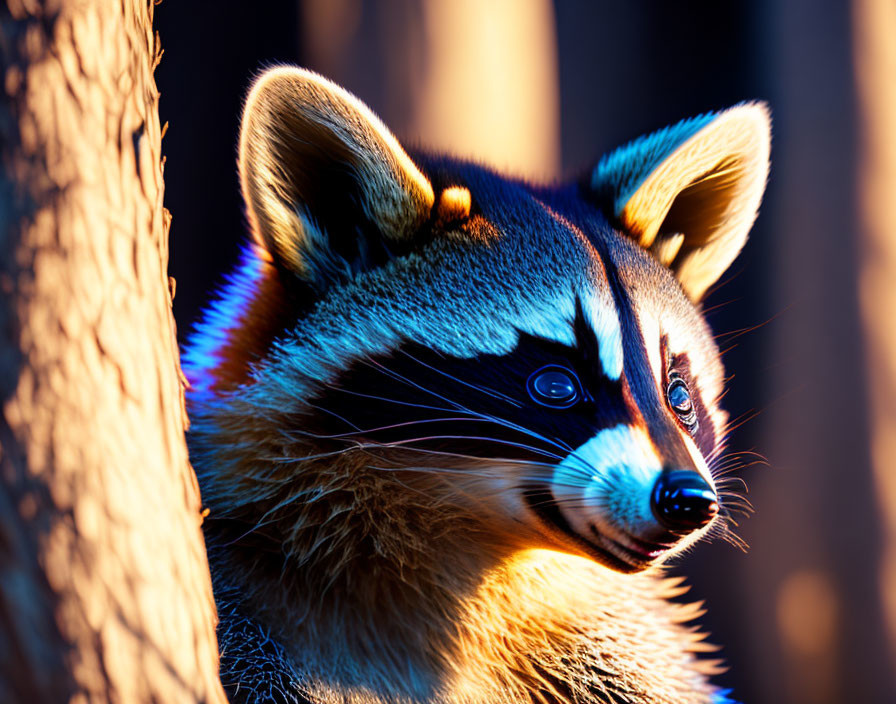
(104, 588)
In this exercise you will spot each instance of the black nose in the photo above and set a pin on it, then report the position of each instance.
(682, 501)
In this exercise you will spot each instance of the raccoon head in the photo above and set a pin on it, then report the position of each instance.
(464, 353)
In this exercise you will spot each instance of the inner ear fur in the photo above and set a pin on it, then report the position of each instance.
(690, 193)
(321, 175)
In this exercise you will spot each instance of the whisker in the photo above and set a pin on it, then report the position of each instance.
(483, 474)
(334, 414)
(461, 407)
(727, 482)
(399, 402)
(410, 382)
(499, 441)
(476, 387)
(559, 444)
(393, 426)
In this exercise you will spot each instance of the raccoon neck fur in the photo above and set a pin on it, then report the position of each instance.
(388, 595)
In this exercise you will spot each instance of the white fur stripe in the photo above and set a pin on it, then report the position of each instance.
(607, 481)
(604, 320)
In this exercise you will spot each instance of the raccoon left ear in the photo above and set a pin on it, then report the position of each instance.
(328, 189)
(689, 193)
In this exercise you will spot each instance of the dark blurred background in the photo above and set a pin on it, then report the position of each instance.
(806, 314)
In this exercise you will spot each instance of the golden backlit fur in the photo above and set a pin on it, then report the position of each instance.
(704, 195)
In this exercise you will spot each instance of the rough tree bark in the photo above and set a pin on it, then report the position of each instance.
(104, 586)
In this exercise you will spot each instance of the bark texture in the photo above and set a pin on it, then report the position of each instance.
(104, 586)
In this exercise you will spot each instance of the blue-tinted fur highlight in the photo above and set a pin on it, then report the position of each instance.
(619, 174)
(202, 352)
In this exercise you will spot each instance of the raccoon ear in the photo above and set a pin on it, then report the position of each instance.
(327, 187)
(690, 192)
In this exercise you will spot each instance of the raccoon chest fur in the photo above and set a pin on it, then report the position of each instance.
(449, 425)
(542, 626)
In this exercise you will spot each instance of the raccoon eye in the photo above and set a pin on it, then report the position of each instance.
(554, 386)
(679, 397)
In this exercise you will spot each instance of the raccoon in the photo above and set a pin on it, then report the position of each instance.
(449, 425)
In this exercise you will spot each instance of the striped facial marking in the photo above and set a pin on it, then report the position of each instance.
(484, 405)
(631, 493)
(645, 385)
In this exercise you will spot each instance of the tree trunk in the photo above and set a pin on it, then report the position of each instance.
(104, 586)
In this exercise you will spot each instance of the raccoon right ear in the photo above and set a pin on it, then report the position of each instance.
(326, 185)
(689, 193)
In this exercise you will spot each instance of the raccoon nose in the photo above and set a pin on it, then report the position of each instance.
(682, 501)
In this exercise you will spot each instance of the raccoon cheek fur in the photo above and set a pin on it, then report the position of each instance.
(447, 423)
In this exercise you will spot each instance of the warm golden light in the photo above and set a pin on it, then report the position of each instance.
(454, 204)
(473, 79)
(875, 58)
(807, 615)
(475, 102)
